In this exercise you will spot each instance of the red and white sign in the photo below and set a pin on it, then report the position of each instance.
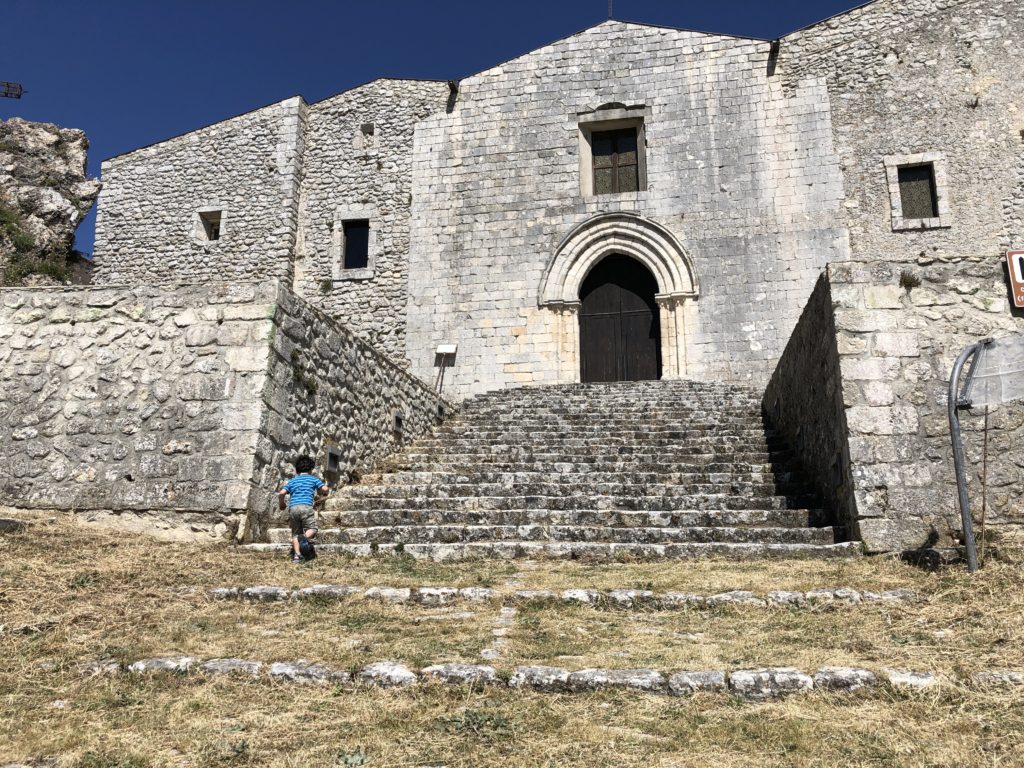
(1015, 260)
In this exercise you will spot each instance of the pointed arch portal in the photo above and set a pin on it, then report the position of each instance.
(605, 274)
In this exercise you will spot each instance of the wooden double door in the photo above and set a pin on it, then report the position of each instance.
(620, 333)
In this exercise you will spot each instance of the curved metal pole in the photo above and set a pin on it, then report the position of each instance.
(958, 456)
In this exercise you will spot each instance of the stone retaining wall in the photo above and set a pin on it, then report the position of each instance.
(897, 330)
(185, 403)
(804, 401)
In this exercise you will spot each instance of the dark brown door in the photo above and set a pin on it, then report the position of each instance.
(620, 337)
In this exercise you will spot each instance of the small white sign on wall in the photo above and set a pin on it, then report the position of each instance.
(1015, 260)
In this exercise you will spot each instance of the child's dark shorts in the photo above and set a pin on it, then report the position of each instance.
(301, 518)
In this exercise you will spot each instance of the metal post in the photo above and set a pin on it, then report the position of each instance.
(958, 455)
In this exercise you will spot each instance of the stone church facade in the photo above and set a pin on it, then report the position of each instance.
(821, 215)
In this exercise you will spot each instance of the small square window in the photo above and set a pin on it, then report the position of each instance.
(357, 244)
(209, 227)
(612, 153)
(918, 191)
(918, 195)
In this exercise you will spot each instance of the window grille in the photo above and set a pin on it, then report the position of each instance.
(918, 194)
(616, 161)
(357, 244)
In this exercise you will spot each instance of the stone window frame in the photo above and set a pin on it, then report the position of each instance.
(337, 250)
(199, 227)
(611, 119)
(938, 163)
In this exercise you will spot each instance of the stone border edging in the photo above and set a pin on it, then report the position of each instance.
(753, 684)
(628, 599)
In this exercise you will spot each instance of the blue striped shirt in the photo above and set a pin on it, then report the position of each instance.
(302, 488)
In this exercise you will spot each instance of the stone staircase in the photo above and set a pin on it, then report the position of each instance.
(638, 469)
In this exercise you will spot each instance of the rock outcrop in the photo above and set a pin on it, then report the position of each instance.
(44, 194)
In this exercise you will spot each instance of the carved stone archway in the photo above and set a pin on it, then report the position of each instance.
(649, 243)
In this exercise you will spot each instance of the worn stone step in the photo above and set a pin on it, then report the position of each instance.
(485, 477)
(566, 550)
(634, 503)
(778, 518)
(453, 534)
(626, 460)
(426, 463)
(547, 488)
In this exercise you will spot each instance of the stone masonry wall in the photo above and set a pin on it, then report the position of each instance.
(328, 388)
(148, 230)
(898, 330)
(358, 165)
(133, 399)
(743, 173)
(922, 76)
(804, 403)
(185, 404)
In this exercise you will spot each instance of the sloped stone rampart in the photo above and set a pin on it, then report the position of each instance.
(328, 388)
(897, 330)
(184, 405)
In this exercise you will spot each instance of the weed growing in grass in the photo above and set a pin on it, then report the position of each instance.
(490, 726)
(226, 752)
(84, 580)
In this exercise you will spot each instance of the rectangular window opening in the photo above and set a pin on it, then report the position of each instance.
(616, 161)
(211, 224)
(357, 244)
(918, 192)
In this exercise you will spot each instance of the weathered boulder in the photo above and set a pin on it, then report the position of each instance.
(325, 592)
(460, 674)
(44, 195)
(686, 683)
(769, 683)
(165, 664)
(600, 679)
(265, 594)
(232, 666)
(307, 673)
(386, 674)
(389, 594)
(904, 678)
(844, 678)
(548, 679)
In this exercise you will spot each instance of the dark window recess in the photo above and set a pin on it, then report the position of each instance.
(918, 194)
(357, 244)
(616, 161)
(211, 224)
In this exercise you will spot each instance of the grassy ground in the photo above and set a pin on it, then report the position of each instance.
(76, 594)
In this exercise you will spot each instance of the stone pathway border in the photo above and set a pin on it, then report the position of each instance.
(628, 599)
(753, 684)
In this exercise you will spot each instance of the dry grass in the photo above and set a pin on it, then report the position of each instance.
(130, 597)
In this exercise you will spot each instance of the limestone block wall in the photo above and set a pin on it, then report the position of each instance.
(358, 165)
(741, 171)
(804, 402)
(909, 77)
(133, 399)
(148, 230)
(896, 338)
(186, 404)
(328, 388)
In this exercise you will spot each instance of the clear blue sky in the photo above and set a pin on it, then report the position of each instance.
(132, 72)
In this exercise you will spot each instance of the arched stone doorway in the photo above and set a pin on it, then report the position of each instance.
(645, 242)
(620, 327)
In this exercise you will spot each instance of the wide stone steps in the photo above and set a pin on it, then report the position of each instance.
(456, 534)
(644, 470)
(772, 518)
(634, 503)
(595, 479)
(550, 489)
(581, 550)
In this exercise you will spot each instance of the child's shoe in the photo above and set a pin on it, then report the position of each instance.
(296, 559)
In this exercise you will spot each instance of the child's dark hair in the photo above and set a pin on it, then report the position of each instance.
(304, 464)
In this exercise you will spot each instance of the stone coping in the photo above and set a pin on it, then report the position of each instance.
(754, 684)
(629, 599)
